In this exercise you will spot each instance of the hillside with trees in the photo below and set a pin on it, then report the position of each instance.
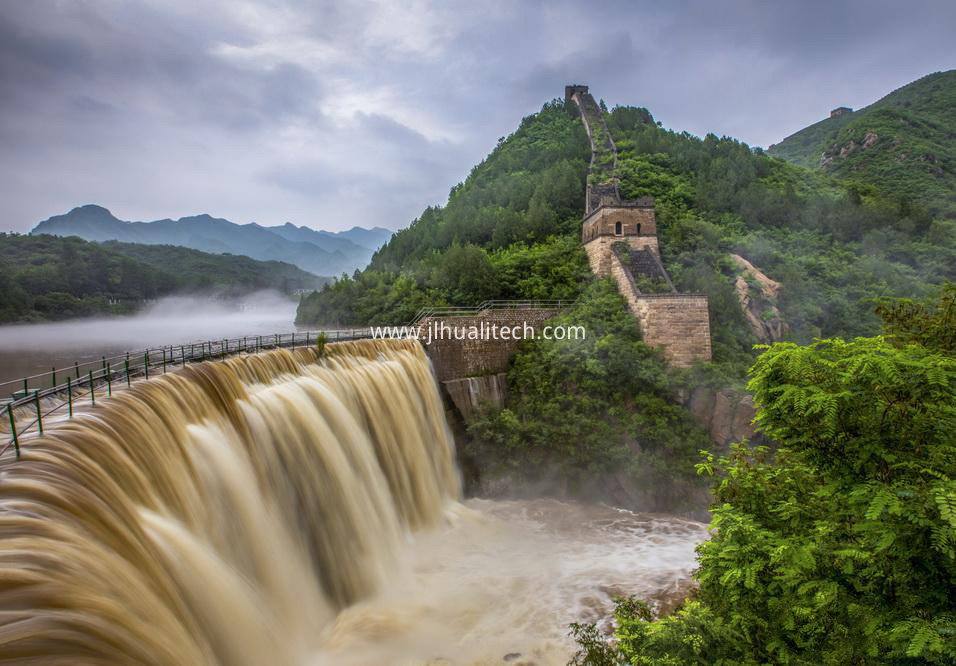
(511, 230)
(902, 144)
(46, 278)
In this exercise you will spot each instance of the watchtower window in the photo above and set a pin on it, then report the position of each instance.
(638, 229)
(617, 229)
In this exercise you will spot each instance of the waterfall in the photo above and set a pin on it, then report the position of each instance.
(222, 514)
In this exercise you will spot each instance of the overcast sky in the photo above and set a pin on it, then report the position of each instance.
(338, 113)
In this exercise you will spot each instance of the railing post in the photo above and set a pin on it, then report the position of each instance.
(13, 429)
(164, 360)
(53, 377)
(128, 382)
(36, 399)
(182, 354)
(109, 383)
(92, 389)
(146, 364)
(26, 387)
(69, 394)
(293, 341)
(277, 340)
(76, 368)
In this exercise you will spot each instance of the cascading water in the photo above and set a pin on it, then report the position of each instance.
(287, 508)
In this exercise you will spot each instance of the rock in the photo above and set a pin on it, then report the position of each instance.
(470, 393)
(742, 425)
(721, 423)
(759, 304)
(727, 415)
(511, 656)
(701, 404)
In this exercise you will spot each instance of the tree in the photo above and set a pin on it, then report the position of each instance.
(839, 547)
(930, 325)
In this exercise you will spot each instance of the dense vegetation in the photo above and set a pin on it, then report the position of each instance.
(49, 277)
(835, 249)
(594, 417)
(902, 144)
(512, 230)
(838, 547)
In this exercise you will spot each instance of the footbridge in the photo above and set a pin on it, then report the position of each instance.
(29, 402)
(471, 370)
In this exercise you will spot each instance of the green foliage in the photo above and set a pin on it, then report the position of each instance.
(321, 340)
(840, 546)
(932, 326)
(227, 274)
(583, 408)
(50, 277)
(836, 248)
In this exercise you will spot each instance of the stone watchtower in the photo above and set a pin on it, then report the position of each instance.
(572, 90)
(620, 238)
(629, 222)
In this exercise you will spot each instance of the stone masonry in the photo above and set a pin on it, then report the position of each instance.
(677, 324)
(456, 358)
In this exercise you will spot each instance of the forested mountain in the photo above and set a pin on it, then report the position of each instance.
(45, 277)
(904, 145)
(319, 252)
(511, 230)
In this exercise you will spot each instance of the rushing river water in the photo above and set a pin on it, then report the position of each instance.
(281, 508)
(505, 579)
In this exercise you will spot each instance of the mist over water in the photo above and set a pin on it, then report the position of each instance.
(28, 349)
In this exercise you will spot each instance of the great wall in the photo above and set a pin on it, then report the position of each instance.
(620, 238)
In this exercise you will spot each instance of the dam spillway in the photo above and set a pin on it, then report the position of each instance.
(223, 513)
(297, 508)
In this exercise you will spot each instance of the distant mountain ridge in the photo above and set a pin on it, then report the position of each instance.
(46, 277)
(904, 144)
(318, 252)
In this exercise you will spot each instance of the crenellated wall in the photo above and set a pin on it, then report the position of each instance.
(677, 324)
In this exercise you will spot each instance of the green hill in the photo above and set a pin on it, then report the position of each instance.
(604, 408)
(512, 230)
(903, 144)
(46, 277)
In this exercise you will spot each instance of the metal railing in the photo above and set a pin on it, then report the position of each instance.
(65, 387)
(465, 311)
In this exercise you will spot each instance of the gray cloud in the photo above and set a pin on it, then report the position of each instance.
(337, 113)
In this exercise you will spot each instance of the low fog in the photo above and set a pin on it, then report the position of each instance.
(27, 349)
